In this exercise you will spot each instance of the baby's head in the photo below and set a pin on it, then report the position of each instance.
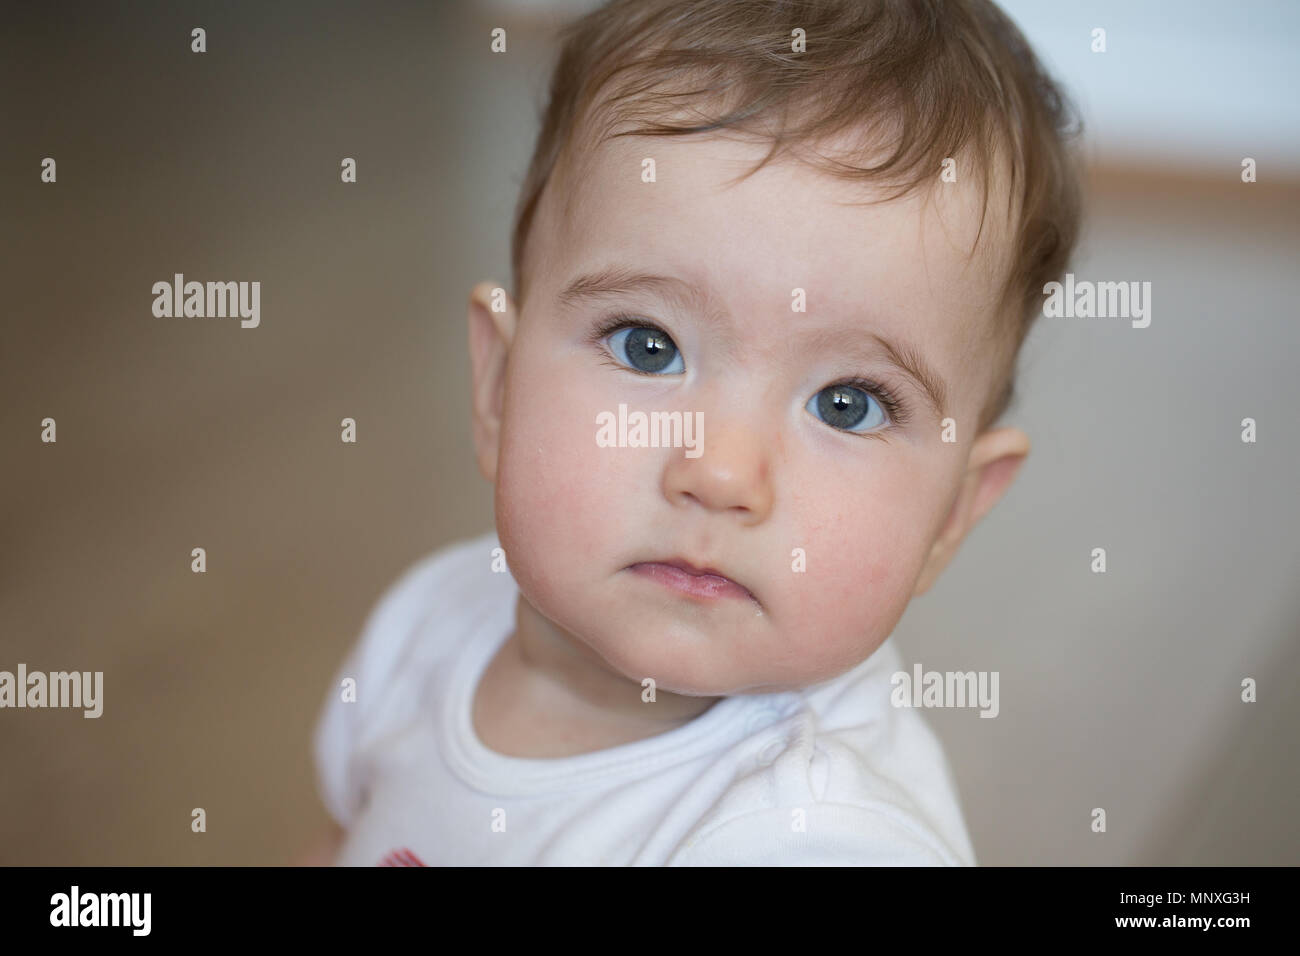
(828, 257)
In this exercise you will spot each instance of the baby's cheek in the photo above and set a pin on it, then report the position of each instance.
(560, 501)
(854, 590)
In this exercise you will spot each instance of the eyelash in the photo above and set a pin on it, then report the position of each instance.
(613, 323)
(892, 404)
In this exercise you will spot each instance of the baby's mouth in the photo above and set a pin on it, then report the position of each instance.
(680, 575)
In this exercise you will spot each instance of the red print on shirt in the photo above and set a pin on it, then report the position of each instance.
(401, 857)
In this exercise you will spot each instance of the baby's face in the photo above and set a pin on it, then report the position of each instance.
(822, 479)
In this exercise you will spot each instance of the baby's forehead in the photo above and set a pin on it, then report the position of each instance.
(659, 177)
(787, 225)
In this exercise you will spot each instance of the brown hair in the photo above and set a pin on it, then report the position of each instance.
(930, 79)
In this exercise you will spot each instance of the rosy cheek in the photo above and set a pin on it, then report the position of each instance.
(858, 558)
(562, 493)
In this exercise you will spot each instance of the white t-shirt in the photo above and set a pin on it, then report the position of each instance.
(829, 775)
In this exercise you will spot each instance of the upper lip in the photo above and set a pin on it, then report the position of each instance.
(687, 566)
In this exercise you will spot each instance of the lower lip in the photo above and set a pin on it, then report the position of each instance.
(695, 585)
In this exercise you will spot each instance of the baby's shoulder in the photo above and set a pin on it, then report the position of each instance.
(841, 778)
(446, 588)
(421, 618)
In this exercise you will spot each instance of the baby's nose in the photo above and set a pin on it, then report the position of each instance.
(731, 474)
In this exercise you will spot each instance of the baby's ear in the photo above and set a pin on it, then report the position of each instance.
(492, 319)
(995, 460)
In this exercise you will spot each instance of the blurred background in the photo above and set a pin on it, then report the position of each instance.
(1119, 690)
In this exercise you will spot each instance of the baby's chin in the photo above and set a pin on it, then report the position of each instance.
(720, 669)
(696, 654)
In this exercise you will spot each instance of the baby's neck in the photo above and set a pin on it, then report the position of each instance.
(547, 694)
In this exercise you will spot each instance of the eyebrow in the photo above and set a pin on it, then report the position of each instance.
(905, 358)
(613, 281)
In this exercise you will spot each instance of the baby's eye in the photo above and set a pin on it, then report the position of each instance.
(848, 408)
(646, 349)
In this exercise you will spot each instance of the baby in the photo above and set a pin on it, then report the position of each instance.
(773, 265)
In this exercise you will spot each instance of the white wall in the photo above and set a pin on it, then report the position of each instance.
(1182, 82)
